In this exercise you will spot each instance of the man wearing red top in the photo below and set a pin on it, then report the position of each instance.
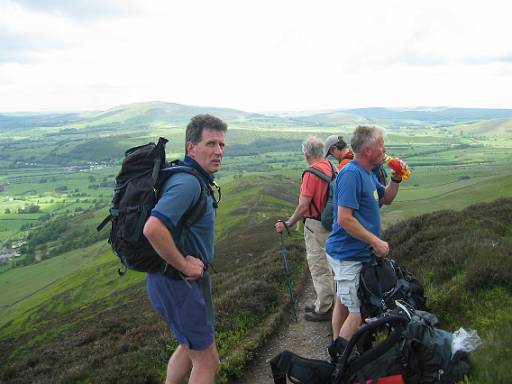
(312, 199)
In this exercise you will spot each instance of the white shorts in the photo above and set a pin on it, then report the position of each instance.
(346, 276)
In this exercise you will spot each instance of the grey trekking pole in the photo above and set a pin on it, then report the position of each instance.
(293, 300)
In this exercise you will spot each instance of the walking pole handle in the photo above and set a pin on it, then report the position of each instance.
(285, 225)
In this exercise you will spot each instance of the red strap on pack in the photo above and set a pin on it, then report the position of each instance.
(395, 379)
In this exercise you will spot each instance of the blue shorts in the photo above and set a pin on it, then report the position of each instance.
(184, 309)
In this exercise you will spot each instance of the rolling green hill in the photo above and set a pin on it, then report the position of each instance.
(489, 128)
(74, 321)
(432, 114)
(159, 113)
(337, 118)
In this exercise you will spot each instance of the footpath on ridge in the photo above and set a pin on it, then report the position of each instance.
(306, 338)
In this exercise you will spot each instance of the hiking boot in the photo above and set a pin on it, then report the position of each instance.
(336, 348)
(317, 316)
(309, 308)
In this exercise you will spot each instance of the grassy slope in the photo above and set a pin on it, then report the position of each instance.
(496, 128)
(84, 317)
(20, 283)
(464, 260)
(458, 194)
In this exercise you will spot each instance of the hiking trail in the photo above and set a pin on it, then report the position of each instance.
(305, 338)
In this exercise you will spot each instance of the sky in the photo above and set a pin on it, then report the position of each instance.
(257, 56)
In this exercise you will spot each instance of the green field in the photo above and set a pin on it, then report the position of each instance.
(22, 283)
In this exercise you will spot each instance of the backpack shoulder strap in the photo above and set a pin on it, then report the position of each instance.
(318, 173)
(381, 175)
(194, 213)
(323, 177)
(158, 155)
(334, 171)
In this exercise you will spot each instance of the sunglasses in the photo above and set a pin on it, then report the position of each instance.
(341, 144)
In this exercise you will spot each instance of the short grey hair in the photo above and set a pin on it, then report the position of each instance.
(366, 134)
(313, 147)
(198, 123)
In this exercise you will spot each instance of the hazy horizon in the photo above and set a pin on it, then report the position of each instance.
(267, 112)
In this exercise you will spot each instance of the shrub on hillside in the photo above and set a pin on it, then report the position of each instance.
(492, 266)
(464, 260)
(443, 244)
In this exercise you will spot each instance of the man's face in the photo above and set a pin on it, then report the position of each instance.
(338, 153)
(209, 151)
(377, 151)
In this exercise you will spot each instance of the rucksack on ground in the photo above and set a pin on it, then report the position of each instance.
(326, 215)
(143, 172)
(414, 349)
(410, 350)
(383, 281)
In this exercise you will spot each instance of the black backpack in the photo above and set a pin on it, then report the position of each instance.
(414, 349)
(383, 281)
(143, 172)
(326, 215)
(410, 349)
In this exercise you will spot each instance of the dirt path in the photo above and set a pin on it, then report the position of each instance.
(306, 338)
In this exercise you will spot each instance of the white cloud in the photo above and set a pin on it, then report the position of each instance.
(263, 55)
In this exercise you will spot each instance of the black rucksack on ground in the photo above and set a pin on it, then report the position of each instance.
(410, 350)
(326, 215)
(383, 281)
(143, 172)
(297, 369)
(414, 349)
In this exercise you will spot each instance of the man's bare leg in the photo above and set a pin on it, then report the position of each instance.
(339, 315)
(178, 365)
(350, 326)
(204, 365)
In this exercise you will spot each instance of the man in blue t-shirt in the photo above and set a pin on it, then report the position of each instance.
(356, 225)
(186, 303)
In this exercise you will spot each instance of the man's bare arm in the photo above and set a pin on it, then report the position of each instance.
(163, 243)
(350, 224)
(390, 192)
(300, 211)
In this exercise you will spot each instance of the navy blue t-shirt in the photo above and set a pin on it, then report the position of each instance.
(358, 189)
(179, 193)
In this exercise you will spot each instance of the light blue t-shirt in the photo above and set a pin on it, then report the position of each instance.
(179, 193)
(358, 189)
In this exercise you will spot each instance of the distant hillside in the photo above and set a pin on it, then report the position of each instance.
(23, 121)
(158, 114)
(432, 114)
(390, 116)
(490, 128)
(129, 115)
(335, 118)
(151, 112)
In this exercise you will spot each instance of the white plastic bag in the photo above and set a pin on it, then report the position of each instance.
(465, 340)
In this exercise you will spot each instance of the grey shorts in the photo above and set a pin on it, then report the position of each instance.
(346, 275)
